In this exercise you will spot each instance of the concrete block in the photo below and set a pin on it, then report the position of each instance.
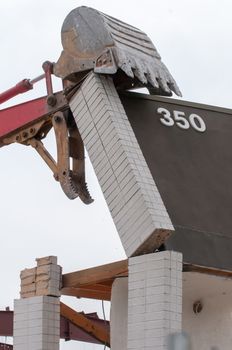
(28, 280)
(47, 260)
(28, 273)
(84, 119)
(102, 165)
(116, 208)
(114, 197)
(105, 174)
(89, 130)
(27, 295)
(40, 323)
(110, 184)
(154, 307)
(103, 120)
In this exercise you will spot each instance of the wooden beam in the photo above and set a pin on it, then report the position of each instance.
(79, 320)
(86, 292)
(93, 282)
(207, 270)
(96, 274)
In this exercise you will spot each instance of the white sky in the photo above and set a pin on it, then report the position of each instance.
(194, 40)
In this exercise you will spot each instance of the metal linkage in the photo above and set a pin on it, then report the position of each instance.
(70, 152)
(70, 145)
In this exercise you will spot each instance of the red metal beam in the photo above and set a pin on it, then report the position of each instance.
(6, 323)
(18, 116)
(4, 346)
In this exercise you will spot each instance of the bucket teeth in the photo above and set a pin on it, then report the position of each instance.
(73, 188)
(140, 75)
(152, 79)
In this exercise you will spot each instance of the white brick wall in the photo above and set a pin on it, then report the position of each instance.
(37, 323)
(154, 300)
(129, 189)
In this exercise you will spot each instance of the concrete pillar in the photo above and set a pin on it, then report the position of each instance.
(154, 300)
(37, 323)
(37, 313)
(119, 314)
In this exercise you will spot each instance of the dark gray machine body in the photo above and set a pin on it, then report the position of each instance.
(188, 148)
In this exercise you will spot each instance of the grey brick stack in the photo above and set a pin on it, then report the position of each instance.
(154, 300)
(125, 179)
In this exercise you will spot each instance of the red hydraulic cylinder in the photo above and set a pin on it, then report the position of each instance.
(23, 86)
(20, 88)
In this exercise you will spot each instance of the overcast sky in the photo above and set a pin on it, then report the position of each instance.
(36, 219)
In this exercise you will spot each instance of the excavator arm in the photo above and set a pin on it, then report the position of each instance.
(30, 122)
(92, 41)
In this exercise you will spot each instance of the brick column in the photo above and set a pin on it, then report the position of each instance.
(37, 323)
(154, 300)
(37, 313)
(133, 199)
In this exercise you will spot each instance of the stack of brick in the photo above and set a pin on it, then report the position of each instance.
(154, 300)
(37, 323)
(125, 179)
(44, 279)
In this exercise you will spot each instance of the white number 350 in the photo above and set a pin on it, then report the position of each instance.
(179, 118)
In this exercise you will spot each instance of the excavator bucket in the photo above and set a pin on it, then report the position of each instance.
(95, 41)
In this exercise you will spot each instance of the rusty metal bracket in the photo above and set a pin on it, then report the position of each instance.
(48, 70)
(45, 155)
(70, 145)
(23, 136)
